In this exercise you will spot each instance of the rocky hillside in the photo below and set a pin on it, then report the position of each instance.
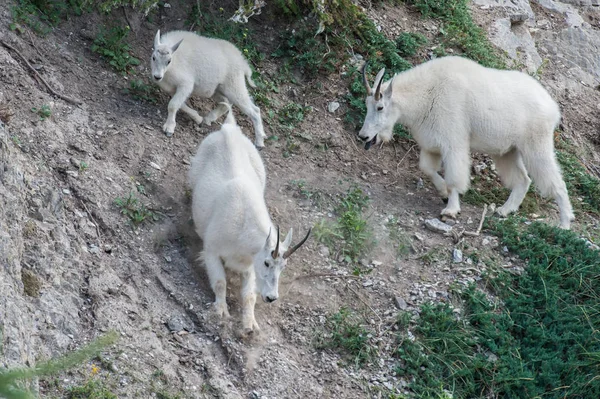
(95, 229)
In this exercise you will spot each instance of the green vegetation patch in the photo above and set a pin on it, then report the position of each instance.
(92, 389)
(350, 235)
(580, 183)
(135, 210)
(460, 31)
(111, 45)
(540, 339)
(345, 332)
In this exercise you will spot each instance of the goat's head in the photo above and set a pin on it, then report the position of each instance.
(162, 55)
(381, 114)
(270, 262)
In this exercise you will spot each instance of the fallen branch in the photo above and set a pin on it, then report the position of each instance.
(476, 233)
(66, 98)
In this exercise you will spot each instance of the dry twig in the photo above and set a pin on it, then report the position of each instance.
(66, 98)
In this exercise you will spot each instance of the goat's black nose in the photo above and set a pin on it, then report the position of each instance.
(271, 298)
(157, 77)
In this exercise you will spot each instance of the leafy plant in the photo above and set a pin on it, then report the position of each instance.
(141, 91)
(10, 379)
(42, 15)
(134, 209)
(350, 234)
(292, 114)
(408, 43)
(345, 332)
(111, 45)
(43, 112)
(92, 389)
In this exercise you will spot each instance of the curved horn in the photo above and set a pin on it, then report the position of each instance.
(275, 253)
(378, 90)
(365, 81)
(295, 247)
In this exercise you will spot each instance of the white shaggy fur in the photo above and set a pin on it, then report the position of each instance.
(453, 106)
(227, 177)
(184, 63)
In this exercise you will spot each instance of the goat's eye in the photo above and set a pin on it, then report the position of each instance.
(153, 58)
(380, 108)
(169, 62)
(266, 264)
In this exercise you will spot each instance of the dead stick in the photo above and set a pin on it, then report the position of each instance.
(68, 99)
(363, 301)
(93, 220)
(476, 233)
(325, 275)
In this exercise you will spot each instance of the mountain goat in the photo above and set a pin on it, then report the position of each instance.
(227, 177)
(453, 106)
(184, 63)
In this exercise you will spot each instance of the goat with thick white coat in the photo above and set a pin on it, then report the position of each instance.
(453, 106)
(228, 179)
(184, 64)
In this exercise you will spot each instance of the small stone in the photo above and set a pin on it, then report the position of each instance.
(438, 226)
(420, 184)
(368, 283)
(66, 191)
(518, 18)
(401, 303)
(323, 250)
(75, 163)
(479, 168)
(419, 237)
(385, 172)
(333, 106)
(175, 324)
(94, 249)
(376, 263)
(155, 165)
(457, 255)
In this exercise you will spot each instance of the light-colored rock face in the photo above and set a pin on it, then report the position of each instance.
(562, 35)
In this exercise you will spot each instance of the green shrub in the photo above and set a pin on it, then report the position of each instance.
(111, 45)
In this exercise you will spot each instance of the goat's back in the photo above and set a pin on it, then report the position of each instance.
(496, 108)
(226, 175)
(200, 55)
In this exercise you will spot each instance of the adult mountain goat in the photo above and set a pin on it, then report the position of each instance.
(453, 106)
(227, 177)
(184, 63)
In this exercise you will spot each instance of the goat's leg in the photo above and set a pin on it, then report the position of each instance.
(240, 97)
(218, 282)
(248, 302)
(192, 113)
(513, 175)
(430, 164)
(177, 101)
(219, 110)
(541, 164)
(457, 164)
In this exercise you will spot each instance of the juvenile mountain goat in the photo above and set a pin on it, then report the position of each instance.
(228, 178)
(451, 106)
(184, 63)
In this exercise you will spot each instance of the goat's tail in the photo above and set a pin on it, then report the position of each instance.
(230, 119)
(249, 77)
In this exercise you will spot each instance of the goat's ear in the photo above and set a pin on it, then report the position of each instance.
(157, 39)
(288, 239)
(176, 46)
(389, 89)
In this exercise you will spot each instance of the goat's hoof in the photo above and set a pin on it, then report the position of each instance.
(221, 310)
(502, 212)
(169, 130)
(451, 213)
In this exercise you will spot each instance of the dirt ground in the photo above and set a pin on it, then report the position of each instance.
(96, 273)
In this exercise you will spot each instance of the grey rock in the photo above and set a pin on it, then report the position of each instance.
(457, 255)
(401, 303)
(438, 226)
(323, 250)
(333, 106)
